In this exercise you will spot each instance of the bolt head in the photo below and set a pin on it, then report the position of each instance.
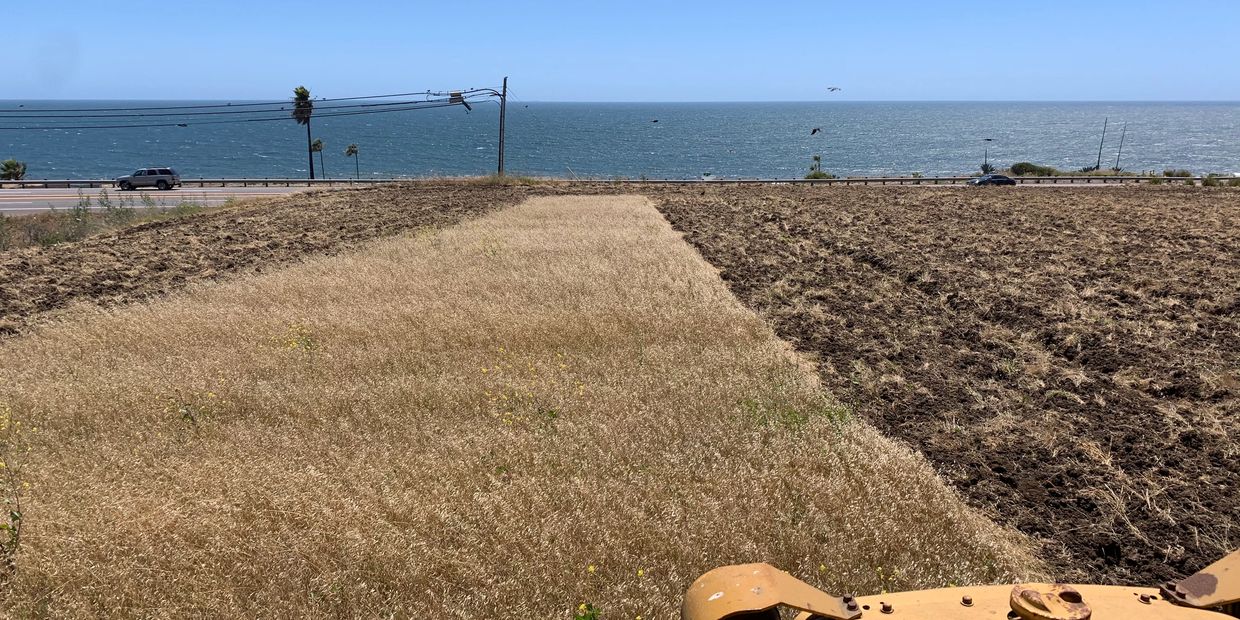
(967, 601)
(1145, 598)
(887, 608)
(851, 606)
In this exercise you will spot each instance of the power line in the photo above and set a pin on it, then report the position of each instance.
(419, 106)
(287, 107)
(227, 105)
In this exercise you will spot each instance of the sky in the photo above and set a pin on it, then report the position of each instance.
(1051, 50)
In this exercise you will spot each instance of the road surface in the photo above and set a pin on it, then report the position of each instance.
(24, 201)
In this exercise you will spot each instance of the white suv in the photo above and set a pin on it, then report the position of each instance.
(161, 178)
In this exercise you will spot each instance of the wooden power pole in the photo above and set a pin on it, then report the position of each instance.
(503, 108)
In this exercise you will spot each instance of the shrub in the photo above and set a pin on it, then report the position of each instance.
(1025, 168)
(1211, 180)
(815, 170)
(1234, 183)
(988, 168)
(12, 170)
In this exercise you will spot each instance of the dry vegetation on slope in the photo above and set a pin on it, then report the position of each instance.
(555, 404)
(160, 257)
(1069, 358)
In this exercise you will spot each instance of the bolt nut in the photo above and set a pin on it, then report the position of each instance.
(851, 606)
(967, 601)
(1145, 598)
(887, 608)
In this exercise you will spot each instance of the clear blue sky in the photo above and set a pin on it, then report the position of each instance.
(667, 50)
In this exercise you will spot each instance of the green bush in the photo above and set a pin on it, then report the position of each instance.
(1211, 180)
(12, 170)
(1025, 168)
(1233, 183)
(816, 171)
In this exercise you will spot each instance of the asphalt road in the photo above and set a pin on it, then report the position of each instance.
(23, 201)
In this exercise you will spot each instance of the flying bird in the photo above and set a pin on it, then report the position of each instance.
(988, 139)
(815, 131)
(655, 120)
(833, 88)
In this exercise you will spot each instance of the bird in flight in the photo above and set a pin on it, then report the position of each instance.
(815, 131)
(988, 139)
(833, 88)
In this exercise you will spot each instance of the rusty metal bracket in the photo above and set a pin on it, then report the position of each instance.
(1217, 585)
(1049, 602)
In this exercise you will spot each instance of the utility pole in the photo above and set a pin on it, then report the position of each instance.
(503, 107)
(1100, 143)
(1121, 146)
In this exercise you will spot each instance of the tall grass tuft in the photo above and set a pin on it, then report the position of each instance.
(90, 216)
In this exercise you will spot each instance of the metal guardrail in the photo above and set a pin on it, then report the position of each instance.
(1073, 180)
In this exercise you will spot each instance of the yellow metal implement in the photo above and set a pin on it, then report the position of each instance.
(759, 591)
(753, 590)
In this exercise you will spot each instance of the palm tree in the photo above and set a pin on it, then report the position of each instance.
(351, 151)
(303, 107)
(317, 147)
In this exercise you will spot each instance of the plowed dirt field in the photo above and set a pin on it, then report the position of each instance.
(1069, 359)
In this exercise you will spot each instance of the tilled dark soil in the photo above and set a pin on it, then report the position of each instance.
(160, 257)
(1069, 359)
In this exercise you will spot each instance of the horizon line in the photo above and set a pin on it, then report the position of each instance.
(743, 101)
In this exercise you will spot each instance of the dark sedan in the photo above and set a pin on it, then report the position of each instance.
(992, 179)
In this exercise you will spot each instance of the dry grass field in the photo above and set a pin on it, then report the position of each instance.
(1068, 358)
(553, 404)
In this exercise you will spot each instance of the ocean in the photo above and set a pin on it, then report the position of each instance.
(689, 140)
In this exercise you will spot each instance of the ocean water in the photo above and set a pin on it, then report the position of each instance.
(605, 140)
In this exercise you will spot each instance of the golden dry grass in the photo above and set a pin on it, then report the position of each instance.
(555, 404)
